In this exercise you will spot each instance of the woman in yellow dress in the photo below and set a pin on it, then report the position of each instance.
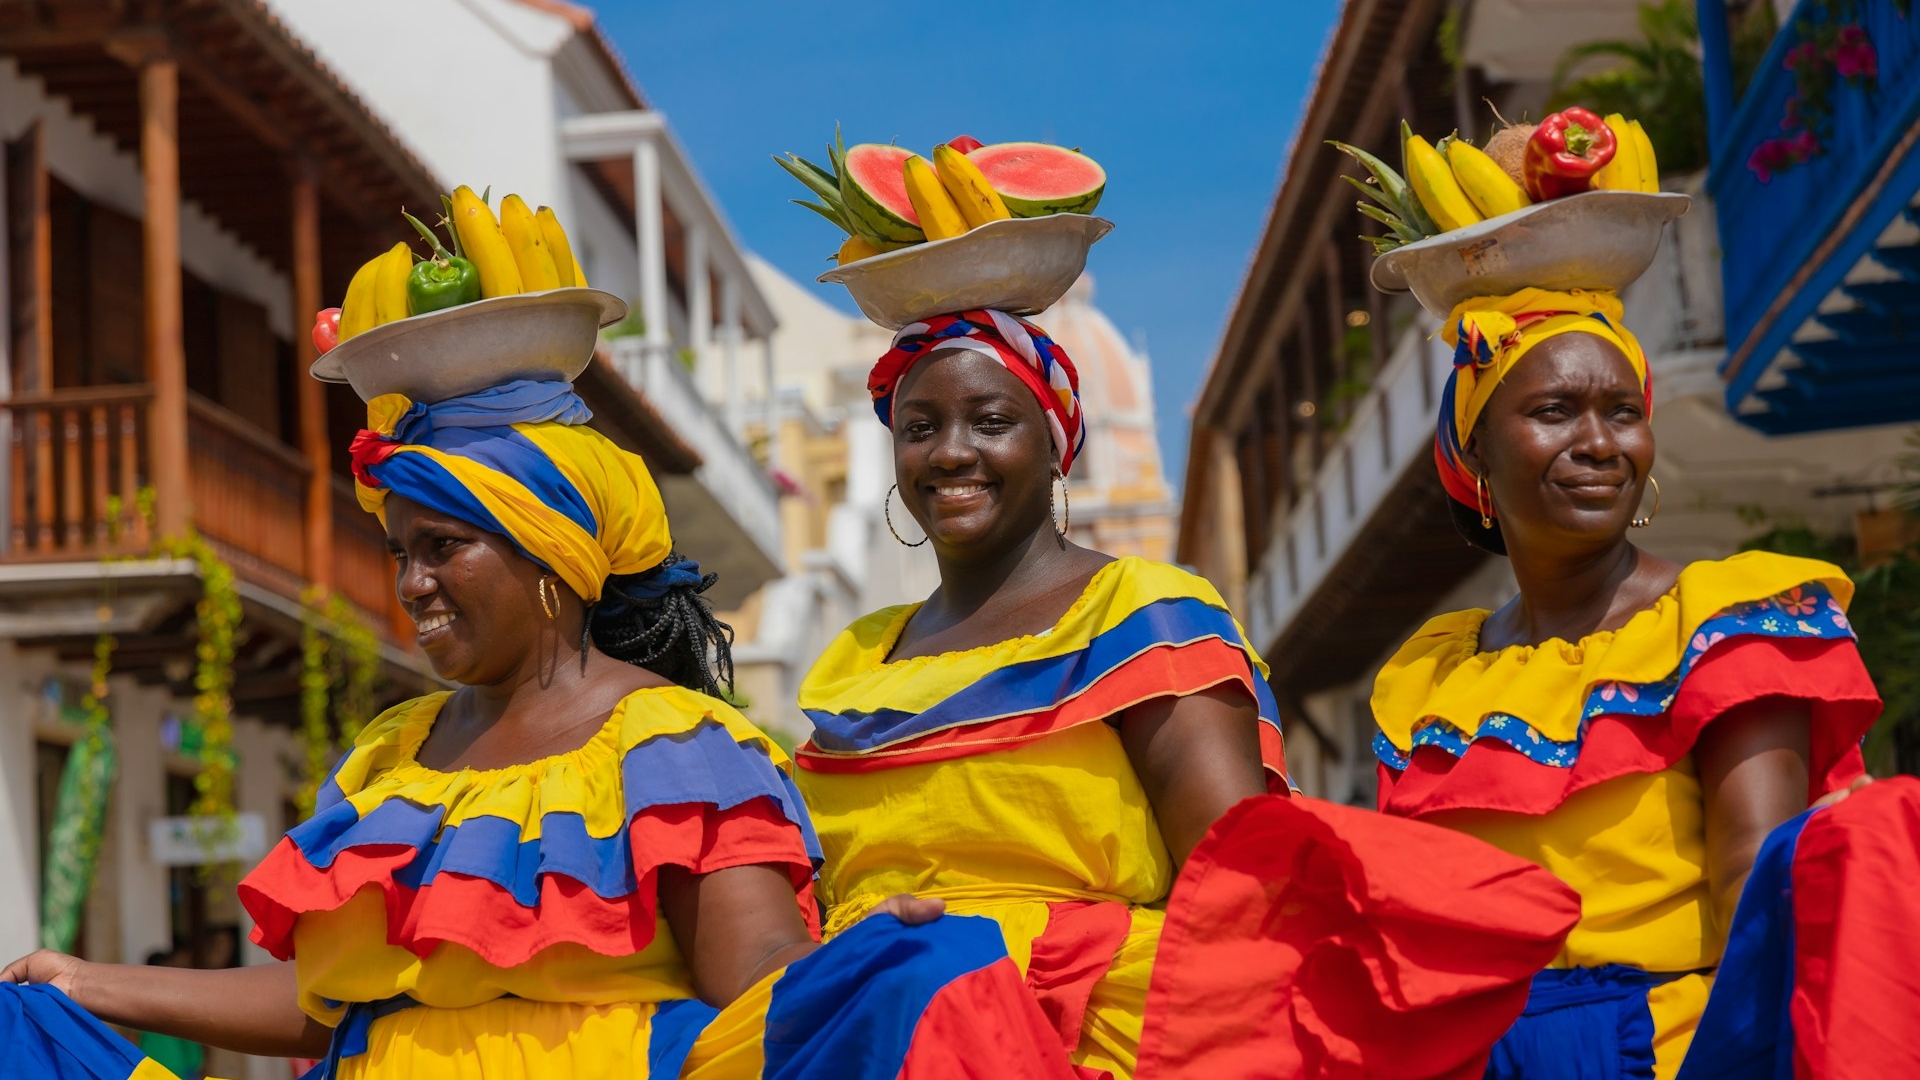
(531, 875)
(1635, 726)
(1045, 741)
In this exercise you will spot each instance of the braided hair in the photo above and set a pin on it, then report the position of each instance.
(658, 620)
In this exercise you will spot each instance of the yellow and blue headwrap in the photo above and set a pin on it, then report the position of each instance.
(518, 460)
(1491, 334)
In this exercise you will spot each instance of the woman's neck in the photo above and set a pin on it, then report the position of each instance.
(1570, 595)
(1031, 565)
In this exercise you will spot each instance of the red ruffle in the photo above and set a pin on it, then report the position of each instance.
(481, 916)
(1827, 674)
(1304, 938)
(1856, 985)
(1165, 670)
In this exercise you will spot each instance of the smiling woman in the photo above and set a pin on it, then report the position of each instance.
(1639, 728)
(558, 868)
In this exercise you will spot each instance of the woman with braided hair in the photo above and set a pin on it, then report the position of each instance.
(556, 869)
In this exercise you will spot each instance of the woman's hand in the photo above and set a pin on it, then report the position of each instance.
(1840, 796)
(910, 909)
(58, 970)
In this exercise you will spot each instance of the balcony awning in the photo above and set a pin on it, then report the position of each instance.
(1821, 258)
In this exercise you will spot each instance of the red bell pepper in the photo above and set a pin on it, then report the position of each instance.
(1564, 153)
(326, 329)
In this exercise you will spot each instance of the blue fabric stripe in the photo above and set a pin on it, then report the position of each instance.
(1814, 614)
(44, 1035)
(1582, 1024)
(510, 453)
(1746, 1032)
(848, 1010)
(676, 1026)
(427, 482)
(704, 766)
(1039, 684)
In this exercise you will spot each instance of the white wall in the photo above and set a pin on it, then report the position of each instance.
(467, 85)
(20, 678)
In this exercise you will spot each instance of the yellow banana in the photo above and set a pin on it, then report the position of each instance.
(579, 275)
(357, 314)
(558, 246)
(855, 249)
(1649, 164)
(940, 217)
(390, 285)
(529, 246)
(1486, 184)
(482, 242)
(1433, 184)
(977, 200)
(1623, 172)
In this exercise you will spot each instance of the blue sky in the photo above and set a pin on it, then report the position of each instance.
(1191, 108)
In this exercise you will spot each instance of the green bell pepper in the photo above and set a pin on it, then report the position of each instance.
(444, 281)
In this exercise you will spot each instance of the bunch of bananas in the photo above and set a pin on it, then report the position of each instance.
(1453, 184)
(523, 250)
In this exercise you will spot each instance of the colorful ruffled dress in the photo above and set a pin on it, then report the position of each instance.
(995, 779)
(1577, 757)
(505, 922)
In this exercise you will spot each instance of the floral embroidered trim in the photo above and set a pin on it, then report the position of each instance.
(1806, 611)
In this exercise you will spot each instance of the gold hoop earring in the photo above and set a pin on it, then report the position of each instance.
(1643, 522)
(545, 604)
(886, 508)
(1482, 500)
(1066, 497)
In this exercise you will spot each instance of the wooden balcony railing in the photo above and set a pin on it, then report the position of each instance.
(362, 569)
(77, 461)
(248, 491)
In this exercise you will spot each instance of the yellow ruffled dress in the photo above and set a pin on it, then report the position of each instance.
(504, 923)
(1576, 756)
(994, 779)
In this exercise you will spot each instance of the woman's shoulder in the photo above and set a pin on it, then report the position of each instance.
(680, 714)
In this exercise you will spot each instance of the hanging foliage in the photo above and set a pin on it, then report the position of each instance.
(336, 648)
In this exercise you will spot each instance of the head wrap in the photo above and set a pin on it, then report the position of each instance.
(1490, 335)
(517, 460)
(1021, 347)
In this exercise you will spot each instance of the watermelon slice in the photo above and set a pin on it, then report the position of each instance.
(1036, 179)
(873, 186)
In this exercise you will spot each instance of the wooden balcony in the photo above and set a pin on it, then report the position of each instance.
(77, 462)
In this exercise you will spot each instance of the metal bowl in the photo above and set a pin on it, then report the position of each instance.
(465, 349)
(1021, 266)
(1593, 240)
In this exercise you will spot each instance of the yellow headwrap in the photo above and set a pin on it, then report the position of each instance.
(1490, 335)
(516, 460)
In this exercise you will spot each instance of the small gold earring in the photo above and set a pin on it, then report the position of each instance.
(545, 604)
(1482, 500)
(1643, 522)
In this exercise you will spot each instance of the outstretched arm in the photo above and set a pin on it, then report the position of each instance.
(249, 1010)
(1196, 756)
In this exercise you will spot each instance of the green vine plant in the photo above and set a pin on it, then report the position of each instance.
(354, 664)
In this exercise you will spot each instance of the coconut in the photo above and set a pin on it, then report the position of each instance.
(1508, 148)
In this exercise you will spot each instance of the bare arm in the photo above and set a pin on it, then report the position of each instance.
(249, 1010)
(739, 925)
(1196, 756)
(1753, 778)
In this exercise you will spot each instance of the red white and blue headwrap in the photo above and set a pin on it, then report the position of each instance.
(1489, 335)
(1021, 347)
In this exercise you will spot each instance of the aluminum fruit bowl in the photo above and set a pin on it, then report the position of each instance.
(1021, 266)
(465, 349)
(1593, 240)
